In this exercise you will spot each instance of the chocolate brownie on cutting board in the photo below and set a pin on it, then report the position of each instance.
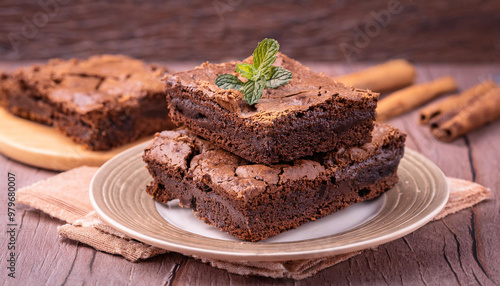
(102, 102)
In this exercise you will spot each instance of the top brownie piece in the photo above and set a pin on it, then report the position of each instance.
(101, 102)
(312, 113)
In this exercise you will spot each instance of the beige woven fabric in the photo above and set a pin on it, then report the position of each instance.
(65, 196)
(463, 194)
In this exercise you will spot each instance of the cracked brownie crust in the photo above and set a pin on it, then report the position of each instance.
(102, 102)
(312, 113)
(254, 201)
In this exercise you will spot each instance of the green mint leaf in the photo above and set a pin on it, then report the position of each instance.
(228, 81)
(246, 70)
(262, 74)
(277, 77)
(253, 91)
(265, 54)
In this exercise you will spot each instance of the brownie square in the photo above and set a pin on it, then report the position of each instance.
(102, 102)
(312, 113)
(254, 201)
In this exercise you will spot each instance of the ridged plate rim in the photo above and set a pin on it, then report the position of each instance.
(117, 195)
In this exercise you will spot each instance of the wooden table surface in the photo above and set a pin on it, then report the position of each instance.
(461, 249)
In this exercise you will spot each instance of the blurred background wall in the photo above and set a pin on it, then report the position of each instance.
(216, 30)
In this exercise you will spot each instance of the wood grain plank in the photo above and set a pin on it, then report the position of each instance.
(307, 30)
(458, 245)
(485, 218)
(461, 249)
(483, 147)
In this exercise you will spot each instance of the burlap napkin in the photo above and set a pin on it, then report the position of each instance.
(65, 196)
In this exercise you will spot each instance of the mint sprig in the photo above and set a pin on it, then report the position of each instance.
(229, 81)
(262, 74)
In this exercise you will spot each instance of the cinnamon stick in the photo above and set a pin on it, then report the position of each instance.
(444, 110)
(412, 97)
(478, 112)
(388, 76)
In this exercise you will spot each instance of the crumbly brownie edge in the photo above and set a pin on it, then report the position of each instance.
(322, 128)
(109, 128)
(23, 101)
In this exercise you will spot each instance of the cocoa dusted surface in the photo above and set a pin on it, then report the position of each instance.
(307, 88)
(101, 102)
(288, 122)
(254, 201)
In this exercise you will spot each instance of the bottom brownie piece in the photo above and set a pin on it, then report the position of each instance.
(254, 202)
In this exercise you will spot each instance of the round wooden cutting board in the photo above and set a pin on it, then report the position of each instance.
(43, 146)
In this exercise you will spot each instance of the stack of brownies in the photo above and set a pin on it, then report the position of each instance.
(305, 150)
